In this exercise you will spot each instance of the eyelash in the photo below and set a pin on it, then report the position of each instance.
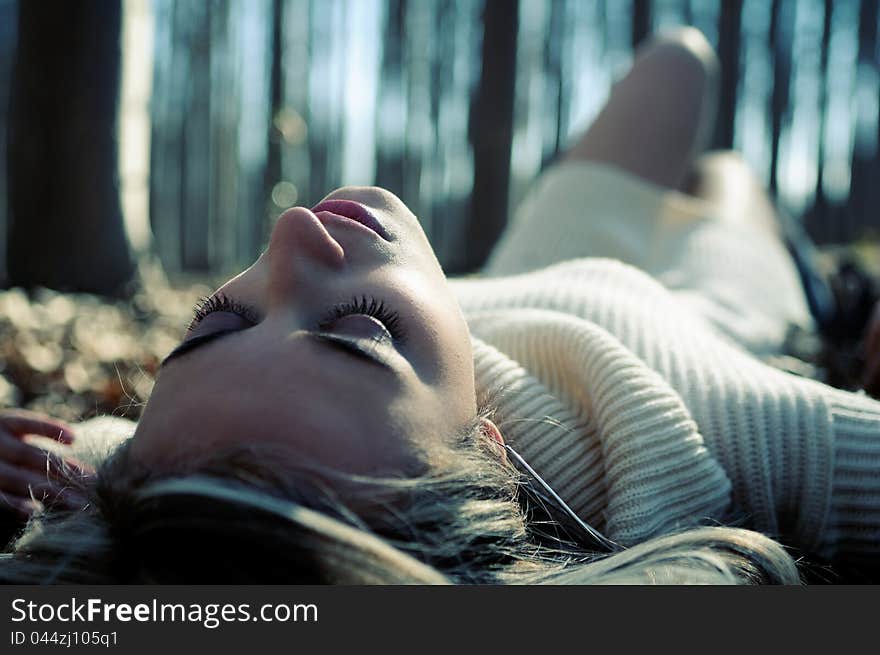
(371, 307)
(221, 303)
(358, 305)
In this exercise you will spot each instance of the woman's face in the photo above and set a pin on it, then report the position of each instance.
(342, 343)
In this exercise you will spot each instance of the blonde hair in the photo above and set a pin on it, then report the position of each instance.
(250, 516)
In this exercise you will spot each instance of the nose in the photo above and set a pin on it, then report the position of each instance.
(300, 247)
(298, 233)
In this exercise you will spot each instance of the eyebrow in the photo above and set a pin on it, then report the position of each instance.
(329, 340)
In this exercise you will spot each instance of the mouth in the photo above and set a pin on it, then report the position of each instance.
(353, 211)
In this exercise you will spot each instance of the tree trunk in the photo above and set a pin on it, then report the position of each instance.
(641, 21)
(491, 132)
(781, 22)
(729, 30)
(65, 226)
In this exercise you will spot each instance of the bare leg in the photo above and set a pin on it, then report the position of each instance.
(726, 180)
(661, 114)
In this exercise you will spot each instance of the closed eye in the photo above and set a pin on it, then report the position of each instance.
(350, 347)
(366, 305)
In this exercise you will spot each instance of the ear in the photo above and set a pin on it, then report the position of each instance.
(491, 431)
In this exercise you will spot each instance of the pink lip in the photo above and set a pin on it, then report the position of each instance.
(355, 211)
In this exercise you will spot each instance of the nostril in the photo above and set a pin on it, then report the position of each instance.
(298, 233)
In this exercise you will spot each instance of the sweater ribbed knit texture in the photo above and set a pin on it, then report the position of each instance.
(646, 417)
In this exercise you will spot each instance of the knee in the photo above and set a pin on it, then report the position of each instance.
(684, 50)
(686, 61)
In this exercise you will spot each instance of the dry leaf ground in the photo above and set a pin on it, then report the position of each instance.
(75, 356)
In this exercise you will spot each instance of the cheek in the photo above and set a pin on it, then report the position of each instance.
(439, 337)
(450, 331)
(453, 363)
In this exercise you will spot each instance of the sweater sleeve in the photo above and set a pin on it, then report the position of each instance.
(658, 474)
(852, 531)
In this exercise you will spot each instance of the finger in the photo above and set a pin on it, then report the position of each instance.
(26, 504)
(871, 349)
(67, 465)
(24, 482)
(21, 507)
(21, 422)
(871, 376)
(21, 454)
(872, 337)
(868, 371)
(61, 466)
(16, 452)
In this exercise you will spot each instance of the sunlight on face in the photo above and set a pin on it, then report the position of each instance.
(343, 343)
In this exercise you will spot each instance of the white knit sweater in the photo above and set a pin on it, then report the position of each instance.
(646, 417)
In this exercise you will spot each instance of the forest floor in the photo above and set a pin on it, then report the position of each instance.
(74, 356)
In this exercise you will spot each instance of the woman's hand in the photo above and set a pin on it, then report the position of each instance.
(871, 372)
(29, 474)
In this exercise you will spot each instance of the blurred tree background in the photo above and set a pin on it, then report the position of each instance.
(230, 111)
(65, 226)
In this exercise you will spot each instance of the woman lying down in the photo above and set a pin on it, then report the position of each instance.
(592, 408)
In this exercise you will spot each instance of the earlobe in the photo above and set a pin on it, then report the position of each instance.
(491, 431)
